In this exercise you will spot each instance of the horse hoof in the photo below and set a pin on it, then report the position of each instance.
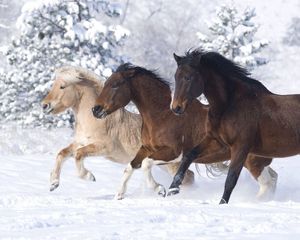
(265, 196)
(54, 185)
(173, 191)
(223, 201)
(91, 177)
(119, 196)
(162, 191)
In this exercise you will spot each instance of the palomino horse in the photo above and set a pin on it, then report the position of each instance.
(117, 137)
(164, 136)
(244, 115)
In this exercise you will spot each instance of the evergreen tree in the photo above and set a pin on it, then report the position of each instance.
(55, 33)
(292, 37)
(233, 35)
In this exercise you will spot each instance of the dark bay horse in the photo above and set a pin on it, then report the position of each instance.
(164, 136)
(244, 115)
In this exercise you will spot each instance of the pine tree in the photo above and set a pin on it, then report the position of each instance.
(55, 33)
(292, 37)
(233, 35)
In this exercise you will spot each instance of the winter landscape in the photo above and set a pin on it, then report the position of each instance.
(36, 37)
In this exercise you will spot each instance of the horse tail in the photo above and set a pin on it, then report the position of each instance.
(214, 170)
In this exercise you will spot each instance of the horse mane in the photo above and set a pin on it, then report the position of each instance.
(142, 71)
(127, 126)
(72, 74)
(223, 66)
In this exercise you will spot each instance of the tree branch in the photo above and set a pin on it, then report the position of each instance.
(52, 22)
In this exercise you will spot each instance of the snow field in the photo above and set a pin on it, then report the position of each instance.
(86, 210)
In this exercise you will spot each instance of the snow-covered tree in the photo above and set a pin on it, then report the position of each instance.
(55, 33)
(9, 11)
(292, 37)
(233, 35)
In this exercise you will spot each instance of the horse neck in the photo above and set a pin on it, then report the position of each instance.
(125, 126)
(150, 96)
(216, 92)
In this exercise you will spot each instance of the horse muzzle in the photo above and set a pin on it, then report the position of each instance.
(178, 107)
(99, 112)
(178, 110)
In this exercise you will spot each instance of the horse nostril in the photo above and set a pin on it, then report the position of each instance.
(45, 106)
(97, 109)
(177, 110)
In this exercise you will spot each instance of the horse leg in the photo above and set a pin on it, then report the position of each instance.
(134, 164)
(80, 154)
(238, 158)
(267, 184)
(187, 160)
(151, 183)
(60, 158)
(189, 177)
(264, 174)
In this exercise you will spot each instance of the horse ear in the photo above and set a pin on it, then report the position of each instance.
(177, 58)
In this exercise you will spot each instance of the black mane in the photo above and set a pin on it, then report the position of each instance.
(142, 71)
(223, 66)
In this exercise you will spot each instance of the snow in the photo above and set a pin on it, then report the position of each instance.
(86, 210)
(107, 72)
(119, 32)
(3, 26)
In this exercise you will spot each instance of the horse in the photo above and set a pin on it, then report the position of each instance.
(244, 115)
(117, 137)
(165, 137)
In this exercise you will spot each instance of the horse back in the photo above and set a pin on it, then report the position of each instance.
(279, 125)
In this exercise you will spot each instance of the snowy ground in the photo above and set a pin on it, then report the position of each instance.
(86, 210)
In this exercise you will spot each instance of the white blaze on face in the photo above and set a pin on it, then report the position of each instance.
(172, 99)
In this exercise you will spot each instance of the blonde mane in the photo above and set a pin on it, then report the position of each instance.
(73, 75)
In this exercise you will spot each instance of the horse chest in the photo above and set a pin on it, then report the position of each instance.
(213, 125)
(150, 136)
(218, 130)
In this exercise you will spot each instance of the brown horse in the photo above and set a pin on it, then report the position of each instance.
(164, 136)
(244, 115)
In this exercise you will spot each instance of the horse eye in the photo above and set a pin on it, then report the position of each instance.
(62, 87)
(188, 78)
(117, 85)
